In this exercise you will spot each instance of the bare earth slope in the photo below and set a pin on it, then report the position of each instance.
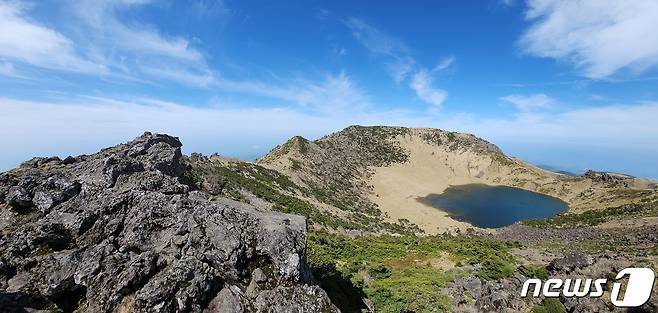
(387, 169)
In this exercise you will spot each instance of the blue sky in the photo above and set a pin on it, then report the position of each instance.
(572, 84)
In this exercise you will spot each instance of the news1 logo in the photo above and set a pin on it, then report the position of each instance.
(638, 288)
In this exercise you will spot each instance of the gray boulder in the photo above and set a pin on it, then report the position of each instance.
(570, 262)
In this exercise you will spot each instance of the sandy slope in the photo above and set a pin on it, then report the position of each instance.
(396, 188)
(432, 169)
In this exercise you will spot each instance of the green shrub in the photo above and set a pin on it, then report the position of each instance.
(295, 165)
(400, 275)
(550, 305)
(596, 217)
(534, 271)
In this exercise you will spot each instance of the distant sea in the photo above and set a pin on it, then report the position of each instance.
(557, 170)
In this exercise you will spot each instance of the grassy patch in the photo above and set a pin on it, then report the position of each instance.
(534, 271)
(396, 272)
(550, 305)
(268, 185)
(596, 217)
(285, 196)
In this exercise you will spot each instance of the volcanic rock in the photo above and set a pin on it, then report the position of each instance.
(123, 230)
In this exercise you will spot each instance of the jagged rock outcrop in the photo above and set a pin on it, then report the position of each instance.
(470, 294)
(620, 180)
(571, 262)
(123, 231)
(611, 178)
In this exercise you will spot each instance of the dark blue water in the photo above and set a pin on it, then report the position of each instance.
(494, 206)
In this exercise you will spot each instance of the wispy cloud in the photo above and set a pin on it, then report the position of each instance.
(421, 83)
(399, 69)
(375, 40)
(144, 39)
(399, 63)
(86, 124)
(333, 93)
(136, 49)
(600, 37)
(526, 103)
(102, 45)
(109, 46)
(7, 69)
(445, 63)
(24, 40)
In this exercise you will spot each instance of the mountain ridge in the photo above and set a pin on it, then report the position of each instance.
(400, 165)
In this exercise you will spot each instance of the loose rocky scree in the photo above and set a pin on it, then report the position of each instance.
(122, 231)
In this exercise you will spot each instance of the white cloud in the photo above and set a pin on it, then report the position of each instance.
(600, 37)
(87, 124)
(108, 45)
(596, 97)
(334, 93)
(421, 83)
(8, 70)
(615, 127)
(24, 40)
(101, 45)
(202, 78)
(136, 49)
(445, 63)
(398, 62)
(526, 103)
(400, 68)
(108, 31)
(375, 40)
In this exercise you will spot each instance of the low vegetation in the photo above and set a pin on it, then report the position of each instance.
(336, 166)
(400, 273)
(534, 271)
(596, 217)
(550, 305)
(286, 196)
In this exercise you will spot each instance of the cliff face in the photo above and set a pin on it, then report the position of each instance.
(123, 231)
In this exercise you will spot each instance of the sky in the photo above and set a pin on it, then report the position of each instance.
(570, 84)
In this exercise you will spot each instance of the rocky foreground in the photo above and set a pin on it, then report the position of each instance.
(123, 230)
